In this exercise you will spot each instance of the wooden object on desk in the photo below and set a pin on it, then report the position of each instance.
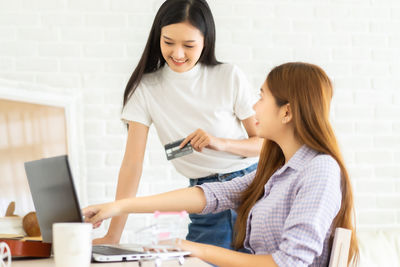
(10, 210)
(26, 246)
(31, 225)
(11, 225)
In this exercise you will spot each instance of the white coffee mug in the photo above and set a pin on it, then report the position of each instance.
(72, 244)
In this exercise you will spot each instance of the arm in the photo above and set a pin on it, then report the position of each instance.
(190, 199)
(226, 195)
(129, 177)
(210, 197)
(224, 257)
(249, 147)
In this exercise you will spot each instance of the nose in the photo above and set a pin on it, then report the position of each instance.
(178, 53)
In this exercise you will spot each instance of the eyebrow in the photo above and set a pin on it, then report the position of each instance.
(170, 39)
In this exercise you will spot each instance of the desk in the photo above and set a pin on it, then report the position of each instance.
(189, 262)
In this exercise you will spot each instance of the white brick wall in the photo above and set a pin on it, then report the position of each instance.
(92, 46)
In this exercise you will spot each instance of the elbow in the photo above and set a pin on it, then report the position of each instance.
(201, 202)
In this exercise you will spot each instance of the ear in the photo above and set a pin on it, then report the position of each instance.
(287, 114)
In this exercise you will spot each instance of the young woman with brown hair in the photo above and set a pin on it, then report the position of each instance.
(288, 208)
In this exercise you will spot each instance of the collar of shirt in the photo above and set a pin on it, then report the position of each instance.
(190, 74)
(300, 159)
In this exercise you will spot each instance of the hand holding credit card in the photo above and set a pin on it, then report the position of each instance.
(173, 151)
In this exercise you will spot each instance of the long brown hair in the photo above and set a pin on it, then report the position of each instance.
(308, 90)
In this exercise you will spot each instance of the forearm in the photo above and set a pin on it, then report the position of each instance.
(250, 147)
(191, 200)
(128, 182)
(227, 258)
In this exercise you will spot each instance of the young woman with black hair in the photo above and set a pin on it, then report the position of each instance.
(181, 88)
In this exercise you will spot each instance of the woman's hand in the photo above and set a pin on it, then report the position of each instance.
(195, 248)
(200, 139)
(105, 240)
(95, 214)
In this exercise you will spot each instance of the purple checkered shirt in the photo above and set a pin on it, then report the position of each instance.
(292, 221)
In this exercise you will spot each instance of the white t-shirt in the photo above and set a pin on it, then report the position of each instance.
(212, 98)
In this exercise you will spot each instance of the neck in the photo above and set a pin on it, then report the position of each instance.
(189, 74)
(289, 145)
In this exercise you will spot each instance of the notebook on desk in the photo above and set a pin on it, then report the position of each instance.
(55, 199)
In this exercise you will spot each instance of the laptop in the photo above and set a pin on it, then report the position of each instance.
(55, 200)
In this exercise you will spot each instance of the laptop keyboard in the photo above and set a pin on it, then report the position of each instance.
(105, 250)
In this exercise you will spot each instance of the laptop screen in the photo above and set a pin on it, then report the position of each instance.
(53, 193)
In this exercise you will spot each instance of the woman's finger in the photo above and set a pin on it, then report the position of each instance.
(97, 225)
(195, 141)
(187, 139)
(201, 141)
(97, 218)
(204, 142)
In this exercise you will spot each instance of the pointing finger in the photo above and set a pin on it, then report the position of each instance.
(187, 139)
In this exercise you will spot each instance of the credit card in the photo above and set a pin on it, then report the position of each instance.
(173, 151)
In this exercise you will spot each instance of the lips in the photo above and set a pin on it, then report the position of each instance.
(178, 62)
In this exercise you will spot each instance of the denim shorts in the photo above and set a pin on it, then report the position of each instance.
(217, 228)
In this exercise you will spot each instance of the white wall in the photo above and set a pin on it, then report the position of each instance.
(90, 48)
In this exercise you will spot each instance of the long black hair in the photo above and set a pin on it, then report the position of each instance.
(197, 13)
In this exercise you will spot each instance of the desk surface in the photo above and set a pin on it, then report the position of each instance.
(189, 262)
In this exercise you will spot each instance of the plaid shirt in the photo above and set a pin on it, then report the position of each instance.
(292, 220)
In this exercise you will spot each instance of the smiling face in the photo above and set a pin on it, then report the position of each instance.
(271, 119)
(181, 45)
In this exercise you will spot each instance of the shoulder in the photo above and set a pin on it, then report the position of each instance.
(146, 86)
(227, 69)
(322, 170)
(226, 73)
(323, 162)
(151, 79)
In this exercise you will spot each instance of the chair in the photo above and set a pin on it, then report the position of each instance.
(340, 248)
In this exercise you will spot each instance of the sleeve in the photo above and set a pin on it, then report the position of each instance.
(245, 97)
(225, 195)
(315, 205)
(136, 108)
